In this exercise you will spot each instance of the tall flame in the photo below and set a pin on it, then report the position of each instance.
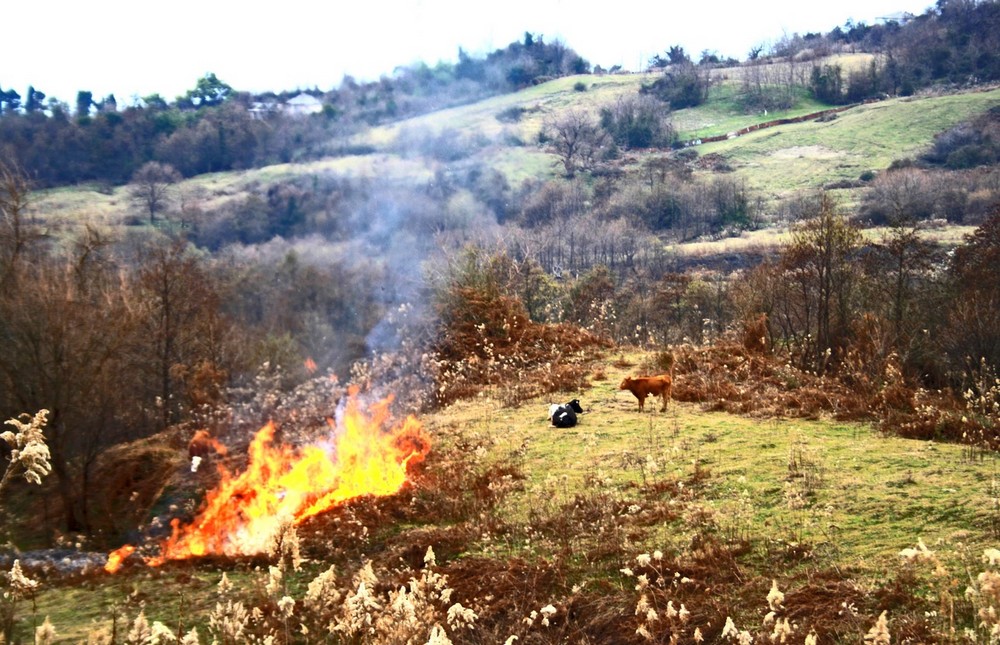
(283, 485)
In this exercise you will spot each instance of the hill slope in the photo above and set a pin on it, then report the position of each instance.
(801, 156)
(731, 503)
(776, 162)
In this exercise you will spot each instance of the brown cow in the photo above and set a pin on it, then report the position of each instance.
(643, 386)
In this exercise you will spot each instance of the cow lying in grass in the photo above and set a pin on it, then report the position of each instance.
(564, 416)
(643, 386)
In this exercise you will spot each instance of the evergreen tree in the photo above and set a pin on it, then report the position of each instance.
(84, 100)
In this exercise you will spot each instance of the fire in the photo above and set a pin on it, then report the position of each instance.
(117, 557)
(283, 485)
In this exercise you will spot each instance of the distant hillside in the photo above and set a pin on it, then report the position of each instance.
(776, 163)
(215, 127)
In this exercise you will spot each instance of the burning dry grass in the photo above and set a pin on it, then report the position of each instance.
(283, 485)
(445, 559)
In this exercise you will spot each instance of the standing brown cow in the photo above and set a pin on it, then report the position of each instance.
(643, 386)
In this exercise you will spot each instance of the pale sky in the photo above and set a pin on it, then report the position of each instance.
(134, 48)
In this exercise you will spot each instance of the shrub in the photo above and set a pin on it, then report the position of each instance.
(486, 337)
(971, 156)
(637, 122)
(512, 114)
(682, 86)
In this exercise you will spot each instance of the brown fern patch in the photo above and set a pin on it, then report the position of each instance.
(489, 340)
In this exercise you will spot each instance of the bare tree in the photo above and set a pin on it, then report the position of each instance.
(898, 263)
(899, 196)
(770, 86)
(577, 139)
(152, 186)
(182, 329)
(820, 265)
(972, 332)
(64, 331)
(16, 233)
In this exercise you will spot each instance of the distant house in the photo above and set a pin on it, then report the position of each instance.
(901, 17)
(302, 104)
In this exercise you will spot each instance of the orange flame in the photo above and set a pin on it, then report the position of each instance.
(282, 485)
(117, 557)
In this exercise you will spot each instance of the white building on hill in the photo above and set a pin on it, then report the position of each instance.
(303, 104)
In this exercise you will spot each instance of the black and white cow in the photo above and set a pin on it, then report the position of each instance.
(564, 416)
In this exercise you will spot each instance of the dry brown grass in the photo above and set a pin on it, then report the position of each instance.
(745, 376)
(491, 342)
(729, 377)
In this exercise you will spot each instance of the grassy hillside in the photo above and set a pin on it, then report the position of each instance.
(777, 162)
(810, 504)
(805, 156)
(80, 205)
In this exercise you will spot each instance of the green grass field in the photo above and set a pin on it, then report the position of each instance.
(806, 156)
(867, 496)
(778, 162)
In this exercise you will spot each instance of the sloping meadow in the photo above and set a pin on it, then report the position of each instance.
(628, 527)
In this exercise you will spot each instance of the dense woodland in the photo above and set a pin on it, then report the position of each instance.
(123, 335)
